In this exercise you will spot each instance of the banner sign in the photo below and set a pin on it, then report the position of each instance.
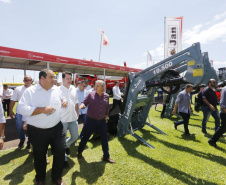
(173, 36)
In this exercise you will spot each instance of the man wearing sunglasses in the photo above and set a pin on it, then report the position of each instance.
(17, 94)
(210, 105)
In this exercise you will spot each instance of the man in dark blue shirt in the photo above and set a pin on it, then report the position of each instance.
(210, 105)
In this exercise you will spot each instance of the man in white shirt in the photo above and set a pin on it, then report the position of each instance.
(69, 115)
(7, 93)
(42, 104)
(117, 97)
(17, 94)
(82, 93)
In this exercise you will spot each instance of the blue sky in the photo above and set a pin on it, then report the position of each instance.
(70, 28)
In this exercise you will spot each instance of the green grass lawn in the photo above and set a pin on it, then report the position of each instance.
(176, 159)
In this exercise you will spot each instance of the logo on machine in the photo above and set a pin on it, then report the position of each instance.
(162, 68)
(135, 85)
(129, 109)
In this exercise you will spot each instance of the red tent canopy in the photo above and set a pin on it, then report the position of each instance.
(30, 60)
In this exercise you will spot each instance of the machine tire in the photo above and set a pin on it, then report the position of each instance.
(169, 75)
(109, 91)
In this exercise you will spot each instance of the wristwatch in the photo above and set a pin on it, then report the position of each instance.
(2, 137)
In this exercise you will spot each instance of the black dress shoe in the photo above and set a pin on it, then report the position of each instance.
(59, 182)
(67, 151)
(212, 143)
(66, 165)
(187, 134)
(109, 160)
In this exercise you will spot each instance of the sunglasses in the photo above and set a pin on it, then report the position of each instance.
(27, 80)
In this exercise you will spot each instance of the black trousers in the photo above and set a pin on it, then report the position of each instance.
(185, 121)
(220, 130)
(41, 139)
(6, 106)
(115, 103)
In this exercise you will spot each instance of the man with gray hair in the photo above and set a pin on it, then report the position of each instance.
(97, 119)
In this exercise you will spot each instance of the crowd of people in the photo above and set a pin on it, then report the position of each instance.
(46, 112)
(209, 107)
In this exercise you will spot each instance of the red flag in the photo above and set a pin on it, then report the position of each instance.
(104, 40)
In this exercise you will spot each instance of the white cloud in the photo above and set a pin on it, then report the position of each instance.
(207, 32)
(219, 64)
(5, 1)
(216, 31)
(158, 53)
(203, 33)
(141, 65)
(217, 17)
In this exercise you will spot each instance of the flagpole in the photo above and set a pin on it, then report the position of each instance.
(147, 58)
(100, 45)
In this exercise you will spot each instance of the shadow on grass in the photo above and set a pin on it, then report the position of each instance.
(89, 171)
(17, 153)
(211, 157)
(18, 174)
(175, 173)
(48, 179)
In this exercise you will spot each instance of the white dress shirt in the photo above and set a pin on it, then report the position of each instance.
(116, 93)
(81, 96)
(35, 96)
(8, 92)
(69, 114)
(17, 94)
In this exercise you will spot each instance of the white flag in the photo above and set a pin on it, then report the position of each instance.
(149, 57)
(104, 39)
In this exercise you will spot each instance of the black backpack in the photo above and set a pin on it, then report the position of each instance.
(199, 101)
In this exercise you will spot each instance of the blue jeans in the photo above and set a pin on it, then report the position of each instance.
(206, 114)
(73, 129)
(19, 128)
(90, 126)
